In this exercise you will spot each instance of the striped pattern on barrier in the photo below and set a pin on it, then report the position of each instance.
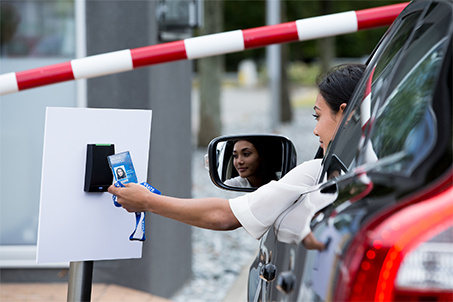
(200, 47)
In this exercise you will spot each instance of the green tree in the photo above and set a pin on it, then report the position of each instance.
(242, 14)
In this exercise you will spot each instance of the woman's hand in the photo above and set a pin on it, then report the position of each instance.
(311, 243)
(133, 197)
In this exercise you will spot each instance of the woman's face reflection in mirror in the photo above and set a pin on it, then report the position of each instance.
(247, 162)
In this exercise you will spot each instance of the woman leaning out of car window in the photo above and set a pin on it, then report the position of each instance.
(257, 211)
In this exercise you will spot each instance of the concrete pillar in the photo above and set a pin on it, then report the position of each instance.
(166, 89)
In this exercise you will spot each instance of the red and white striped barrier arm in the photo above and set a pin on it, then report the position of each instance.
(200, 47)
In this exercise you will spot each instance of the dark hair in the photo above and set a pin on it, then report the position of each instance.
(265, 171)
(337, 85)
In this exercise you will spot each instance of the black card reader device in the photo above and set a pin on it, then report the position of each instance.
(98, 176)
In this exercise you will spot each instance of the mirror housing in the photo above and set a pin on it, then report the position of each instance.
(280, 157)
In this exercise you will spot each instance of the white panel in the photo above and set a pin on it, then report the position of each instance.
(8, 83)
(325, 26)
(216, 44)
(75, 225)
(103, 64)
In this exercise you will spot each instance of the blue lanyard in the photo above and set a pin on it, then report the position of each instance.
(139, 231)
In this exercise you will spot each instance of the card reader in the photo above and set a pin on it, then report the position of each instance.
(98, 176)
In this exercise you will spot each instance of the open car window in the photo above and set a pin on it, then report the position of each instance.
(390, 115)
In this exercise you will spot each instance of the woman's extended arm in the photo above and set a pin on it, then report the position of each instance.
(208, 213)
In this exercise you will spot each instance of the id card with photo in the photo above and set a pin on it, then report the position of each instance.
(122, 167)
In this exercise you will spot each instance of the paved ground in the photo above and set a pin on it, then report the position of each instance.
(56, 292)
(219, 274)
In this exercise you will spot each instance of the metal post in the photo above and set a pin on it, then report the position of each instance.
(80, 281)
(81, 49)
(273, 59)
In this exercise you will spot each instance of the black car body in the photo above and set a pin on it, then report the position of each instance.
(389, 169)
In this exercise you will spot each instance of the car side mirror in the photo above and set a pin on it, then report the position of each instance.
(277, 156)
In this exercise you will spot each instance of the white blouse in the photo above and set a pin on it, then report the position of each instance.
(258, 210)
(238, 182)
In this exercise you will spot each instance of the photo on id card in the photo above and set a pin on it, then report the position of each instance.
(122, 167)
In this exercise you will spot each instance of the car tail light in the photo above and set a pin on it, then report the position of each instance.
(427, 269)
(377, 266)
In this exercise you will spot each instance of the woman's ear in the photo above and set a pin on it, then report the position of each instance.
(342, 107)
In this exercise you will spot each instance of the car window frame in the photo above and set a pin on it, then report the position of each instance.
(357, 96)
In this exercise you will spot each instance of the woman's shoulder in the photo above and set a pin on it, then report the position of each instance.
(310, 164)
(238, 182)
(304, 174)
